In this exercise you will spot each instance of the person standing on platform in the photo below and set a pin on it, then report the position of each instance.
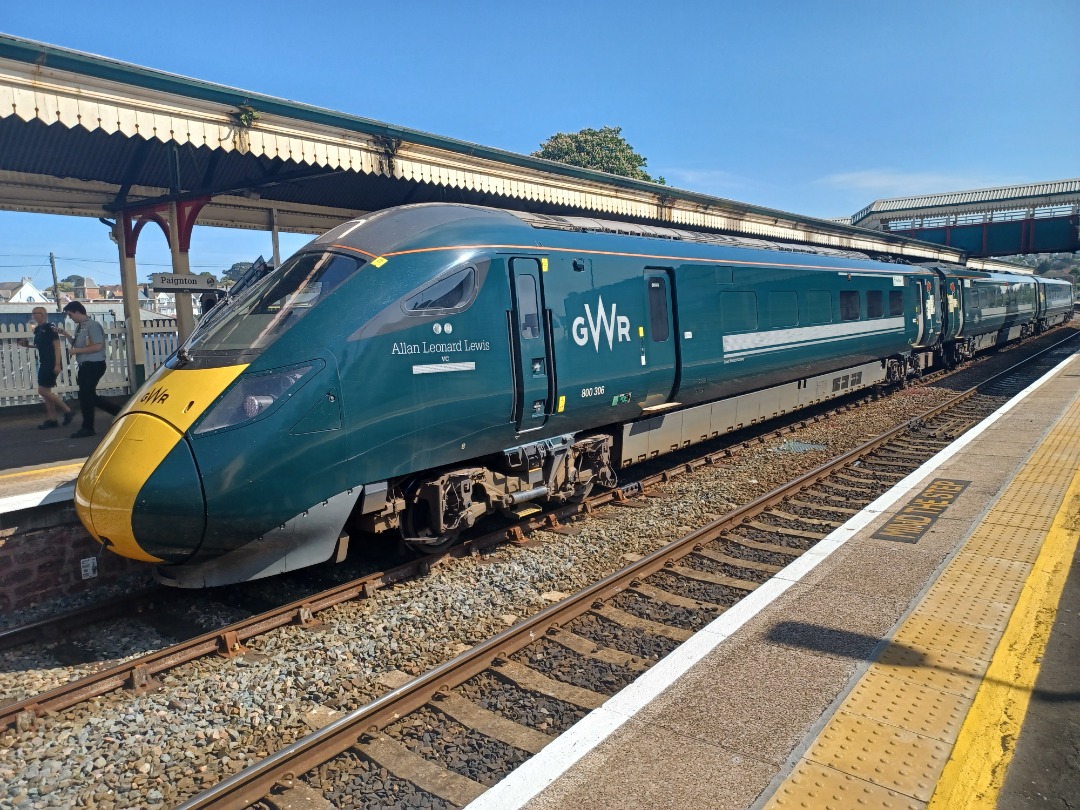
(88, 344)
(47, 343)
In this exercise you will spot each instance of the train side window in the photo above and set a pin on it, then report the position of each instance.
(738, 311)
(819, 306)
(783, 309)
(875, 304)
(658, 314)
(452, 292)
(528, 310)
(896, 302)
(849, 305)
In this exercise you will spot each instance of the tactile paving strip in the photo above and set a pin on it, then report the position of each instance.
(890, 739)
(923, 631)
(934, 669)
(979, 612)
(993, 589)
(814, 787)
(892, 702)
(1020, 543)
(967, 566)
(888, 756)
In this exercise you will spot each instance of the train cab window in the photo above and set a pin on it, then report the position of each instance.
(896, 303)
(783, 309)
(277, 302)
(819, 306)
(528, 309)
(849, 305)
(875, 304)
(452, 292)
(658, 311)
(738, 311)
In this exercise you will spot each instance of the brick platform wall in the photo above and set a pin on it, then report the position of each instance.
(41, 554)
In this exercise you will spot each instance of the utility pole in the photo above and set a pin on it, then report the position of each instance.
(55, 283)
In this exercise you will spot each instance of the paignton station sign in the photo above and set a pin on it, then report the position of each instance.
(176, 282)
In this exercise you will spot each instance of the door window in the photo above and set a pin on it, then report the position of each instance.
(528, 308)
(658, 311)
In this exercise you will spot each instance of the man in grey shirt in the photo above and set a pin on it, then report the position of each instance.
(88, 345)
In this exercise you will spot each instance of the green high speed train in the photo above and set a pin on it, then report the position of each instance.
(409, 372)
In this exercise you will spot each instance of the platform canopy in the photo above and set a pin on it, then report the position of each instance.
(91, 136)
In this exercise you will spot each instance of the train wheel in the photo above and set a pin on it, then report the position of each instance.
(416, 529)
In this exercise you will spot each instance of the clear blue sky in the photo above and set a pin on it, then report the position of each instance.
(812, 107)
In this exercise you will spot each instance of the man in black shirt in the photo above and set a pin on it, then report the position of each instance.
(47, 343)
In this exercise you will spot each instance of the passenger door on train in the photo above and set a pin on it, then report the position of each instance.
(658, 338)
(929, 319)
(530, 344)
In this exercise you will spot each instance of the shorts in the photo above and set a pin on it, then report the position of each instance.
(46, 377)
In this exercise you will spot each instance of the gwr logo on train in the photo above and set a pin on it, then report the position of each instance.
(602, 324)
(155, 396)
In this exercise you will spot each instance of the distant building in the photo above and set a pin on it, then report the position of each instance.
(87, 289)
(22, 292)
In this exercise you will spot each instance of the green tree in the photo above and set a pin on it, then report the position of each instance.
(605, 150)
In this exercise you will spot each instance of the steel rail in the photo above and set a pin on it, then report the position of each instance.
(51, 627)
(282, 767)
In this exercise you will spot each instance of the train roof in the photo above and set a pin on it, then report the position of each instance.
(429, 226)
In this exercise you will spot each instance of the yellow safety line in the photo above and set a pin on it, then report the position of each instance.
(42, 471)
(975, 773)
(894, 743)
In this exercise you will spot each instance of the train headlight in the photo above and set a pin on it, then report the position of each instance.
(251, 396)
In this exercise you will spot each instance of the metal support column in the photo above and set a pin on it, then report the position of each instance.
(274, 237)
(136, 346)
(181, 265)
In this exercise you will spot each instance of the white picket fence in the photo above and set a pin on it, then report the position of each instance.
(18, 366)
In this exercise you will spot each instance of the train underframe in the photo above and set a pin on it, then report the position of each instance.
(432, 509)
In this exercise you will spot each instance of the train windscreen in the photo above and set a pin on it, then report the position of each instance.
(277, 302)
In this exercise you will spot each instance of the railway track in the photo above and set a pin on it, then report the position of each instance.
(441, 739)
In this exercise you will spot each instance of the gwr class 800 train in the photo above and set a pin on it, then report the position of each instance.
(414, 370)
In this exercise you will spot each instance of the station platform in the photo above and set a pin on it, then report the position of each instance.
(38, 467)
(883, 668)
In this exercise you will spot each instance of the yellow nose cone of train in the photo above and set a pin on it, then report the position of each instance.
(112, 484)
(113, 477)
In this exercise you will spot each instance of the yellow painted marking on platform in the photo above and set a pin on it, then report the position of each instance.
(969, 649)
(43, 472)
(975, 774)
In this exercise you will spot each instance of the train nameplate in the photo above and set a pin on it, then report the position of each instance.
(915, 519)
